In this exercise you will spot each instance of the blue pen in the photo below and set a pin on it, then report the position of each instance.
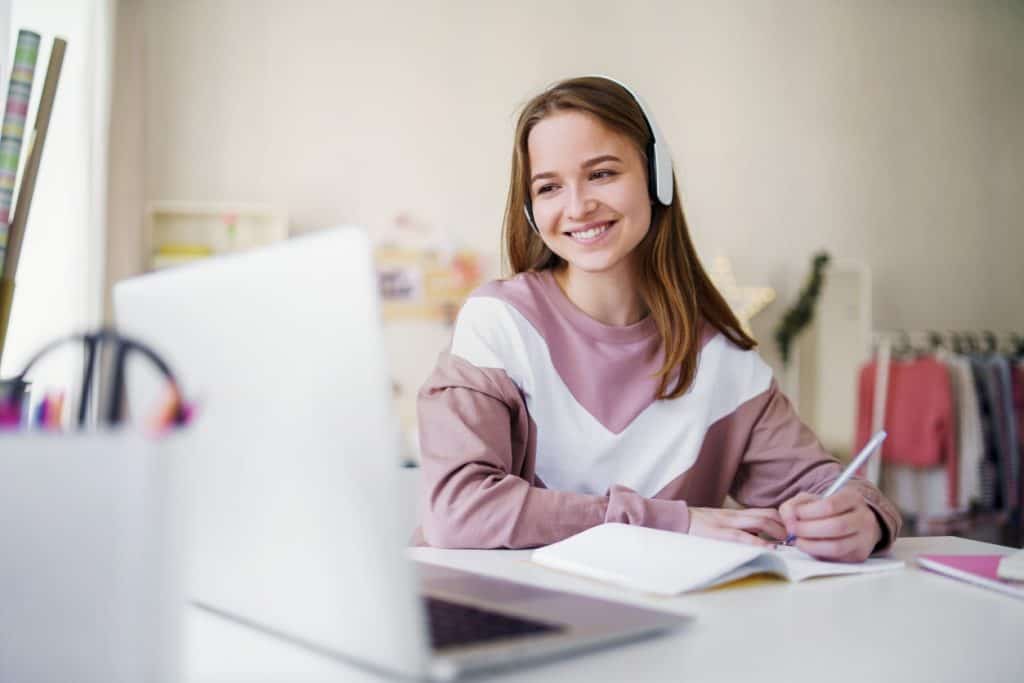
(861, 458)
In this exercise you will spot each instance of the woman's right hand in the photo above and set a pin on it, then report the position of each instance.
(738, 526)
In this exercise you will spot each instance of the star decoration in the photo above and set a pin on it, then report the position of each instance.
(745, 302)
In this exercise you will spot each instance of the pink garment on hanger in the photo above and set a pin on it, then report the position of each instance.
(919, 416)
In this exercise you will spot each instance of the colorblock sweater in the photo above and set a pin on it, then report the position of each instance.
(540, 422)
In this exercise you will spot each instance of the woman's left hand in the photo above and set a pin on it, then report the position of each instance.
(840, 528)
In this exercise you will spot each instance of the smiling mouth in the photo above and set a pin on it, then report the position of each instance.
(592, 233)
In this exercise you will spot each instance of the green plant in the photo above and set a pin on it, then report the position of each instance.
(801, 313)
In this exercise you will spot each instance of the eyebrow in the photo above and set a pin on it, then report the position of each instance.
(586, 164)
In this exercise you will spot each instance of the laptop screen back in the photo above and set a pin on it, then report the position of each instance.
(292, 465)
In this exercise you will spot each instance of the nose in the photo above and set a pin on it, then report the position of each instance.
(579, 203)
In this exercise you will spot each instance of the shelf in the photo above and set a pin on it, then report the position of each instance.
(180, 232)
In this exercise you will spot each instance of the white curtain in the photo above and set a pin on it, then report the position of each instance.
(60, 275)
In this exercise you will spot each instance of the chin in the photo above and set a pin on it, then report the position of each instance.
(590, 264)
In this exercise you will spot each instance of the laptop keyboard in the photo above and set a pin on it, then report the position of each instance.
(453, 624)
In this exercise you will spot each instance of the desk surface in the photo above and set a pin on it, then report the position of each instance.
(907, 625)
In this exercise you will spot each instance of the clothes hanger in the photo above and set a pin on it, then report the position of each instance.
(991, 341)
(1014, 345)
(957, 342)
(902, 348)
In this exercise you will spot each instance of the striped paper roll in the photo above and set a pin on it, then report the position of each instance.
(26, 52)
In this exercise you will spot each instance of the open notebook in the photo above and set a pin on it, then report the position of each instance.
(667, 563)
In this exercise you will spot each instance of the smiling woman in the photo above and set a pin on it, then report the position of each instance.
(572, 393)
(588, 155)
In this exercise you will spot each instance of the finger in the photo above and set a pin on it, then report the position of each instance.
(737, 536)
(766, 513)
(839, 526)
(787, 511)
(835, 549)
(763, 516)
(766, 525)
(723, 533)
(798, 499)
(841, 502)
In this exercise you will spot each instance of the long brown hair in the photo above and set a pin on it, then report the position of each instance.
(670, 277)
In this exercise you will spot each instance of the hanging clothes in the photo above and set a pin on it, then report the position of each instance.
(995, 371)
(970, 440)
(991, 494)
(1010, 470)
(919, 418)
(1018, 405)
(983, 482)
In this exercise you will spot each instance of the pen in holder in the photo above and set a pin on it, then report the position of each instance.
(176, 412)
(91, 526)
(14, 402)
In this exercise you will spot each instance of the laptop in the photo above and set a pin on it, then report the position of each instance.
(297, 524)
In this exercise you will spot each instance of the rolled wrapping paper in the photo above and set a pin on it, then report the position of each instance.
(19, 92)
(6, 301)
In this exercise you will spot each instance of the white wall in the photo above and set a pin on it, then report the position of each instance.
(888, 133)
(126, 190)
(5, 38)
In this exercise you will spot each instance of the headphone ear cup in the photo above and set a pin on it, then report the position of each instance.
(652, 171)
(661, 161)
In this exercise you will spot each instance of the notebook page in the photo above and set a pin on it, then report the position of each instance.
(669, 563)
(765, 563)
(649, 560)
(798, 565)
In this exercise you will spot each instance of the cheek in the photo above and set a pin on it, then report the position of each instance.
(628, 199)
(545, 215)
(632, 201)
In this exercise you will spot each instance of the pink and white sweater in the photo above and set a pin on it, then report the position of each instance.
(540, 422)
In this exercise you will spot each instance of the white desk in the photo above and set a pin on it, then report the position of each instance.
(901, 626)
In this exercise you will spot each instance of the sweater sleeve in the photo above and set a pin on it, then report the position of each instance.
(477, 456)
(783, 457)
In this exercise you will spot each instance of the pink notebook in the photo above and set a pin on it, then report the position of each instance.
(976, 569)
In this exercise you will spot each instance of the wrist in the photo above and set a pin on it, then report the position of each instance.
(881, 536)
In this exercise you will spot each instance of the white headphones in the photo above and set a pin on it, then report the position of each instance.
(659, 159)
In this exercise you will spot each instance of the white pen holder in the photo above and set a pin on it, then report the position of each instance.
(90, 558)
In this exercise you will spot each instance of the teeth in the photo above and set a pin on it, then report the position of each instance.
(590, 234)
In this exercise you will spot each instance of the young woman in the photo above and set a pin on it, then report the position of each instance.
(608, 380)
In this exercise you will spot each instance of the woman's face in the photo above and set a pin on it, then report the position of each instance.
(589, 190)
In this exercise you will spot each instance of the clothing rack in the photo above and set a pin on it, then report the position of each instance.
(958, 341)
(889, 345)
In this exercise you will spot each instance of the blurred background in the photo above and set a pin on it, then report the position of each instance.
(888, 134)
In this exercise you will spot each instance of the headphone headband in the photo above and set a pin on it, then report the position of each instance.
(659, 159)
